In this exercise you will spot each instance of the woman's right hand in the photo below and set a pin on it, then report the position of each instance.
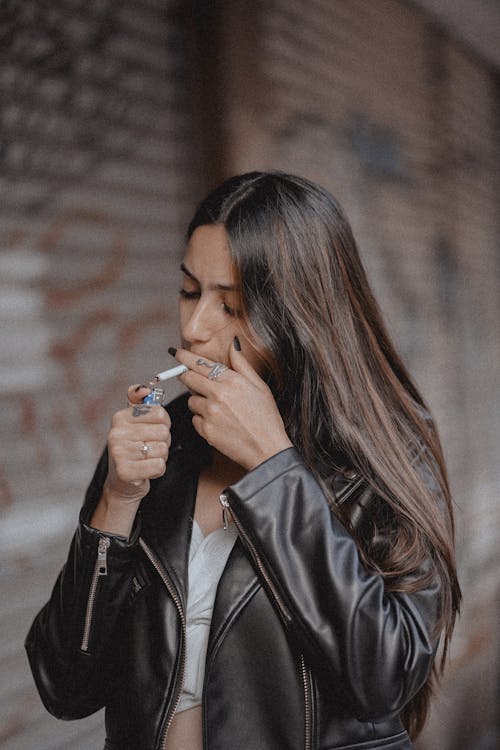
(130, 467)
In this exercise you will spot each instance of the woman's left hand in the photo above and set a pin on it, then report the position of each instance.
(236, 412)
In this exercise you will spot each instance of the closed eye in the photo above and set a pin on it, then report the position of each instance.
(186, 294)
(189, 295)
(229, 310)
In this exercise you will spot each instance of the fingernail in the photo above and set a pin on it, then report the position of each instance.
(237, 344)
(139, 388)
(172, 350)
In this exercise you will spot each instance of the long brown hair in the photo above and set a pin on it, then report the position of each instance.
(344, 394)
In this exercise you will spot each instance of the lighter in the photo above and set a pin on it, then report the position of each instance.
(156, 396)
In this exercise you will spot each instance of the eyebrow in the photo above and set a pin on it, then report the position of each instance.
(218, 287)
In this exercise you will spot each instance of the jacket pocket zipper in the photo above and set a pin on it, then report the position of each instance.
(100, 569)
(175, 596)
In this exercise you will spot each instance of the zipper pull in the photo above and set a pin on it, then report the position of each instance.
(225, 511)
(102, 555)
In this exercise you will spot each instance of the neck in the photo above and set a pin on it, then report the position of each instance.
(223, 467)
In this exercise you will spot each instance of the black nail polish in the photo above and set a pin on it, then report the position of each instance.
(237, 344)
(139, 388)
(172, 350)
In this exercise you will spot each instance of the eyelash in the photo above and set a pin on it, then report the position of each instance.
(196, 295)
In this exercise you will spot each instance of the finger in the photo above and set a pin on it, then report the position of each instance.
(135, 471)
(137, 450)
(135, 460)
(198, 405)
(147, 413)
(197, 383)
(125, 428)
(240, 364)
(148, 449)
(136, 393)
(201, 365)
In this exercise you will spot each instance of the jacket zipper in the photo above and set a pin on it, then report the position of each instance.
(279, 601)
(307, 703)
(356, 483)
(100, 569)
(173, 593)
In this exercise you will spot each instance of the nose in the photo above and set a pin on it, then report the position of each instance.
(201, 321)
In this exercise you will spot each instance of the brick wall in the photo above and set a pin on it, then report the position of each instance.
(97, 182)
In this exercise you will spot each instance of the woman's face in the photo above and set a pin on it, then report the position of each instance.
(209, 303)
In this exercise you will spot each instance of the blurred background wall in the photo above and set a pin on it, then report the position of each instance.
(116, 117)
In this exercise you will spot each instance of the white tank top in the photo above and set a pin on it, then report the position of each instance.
(207, 559)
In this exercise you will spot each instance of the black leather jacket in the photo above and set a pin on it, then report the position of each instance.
(306, 649)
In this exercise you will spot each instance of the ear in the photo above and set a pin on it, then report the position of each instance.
(239, 363)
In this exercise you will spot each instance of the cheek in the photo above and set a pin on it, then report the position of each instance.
(182, 315)
(254, 356)
(185, 309)
(181, 312)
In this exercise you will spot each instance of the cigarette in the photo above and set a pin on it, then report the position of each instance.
(172, 373)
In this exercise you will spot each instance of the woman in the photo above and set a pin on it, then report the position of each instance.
(299, 485)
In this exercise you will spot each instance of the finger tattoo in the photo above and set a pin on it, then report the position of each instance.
(140, 410)
(203, 363)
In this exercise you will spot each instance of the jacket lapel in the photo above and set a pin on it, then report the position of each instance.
(167, 520)
(237, 585)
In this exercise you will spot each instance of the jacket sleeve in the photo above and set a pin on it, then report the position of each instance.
(73, 642)
(375, 647)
